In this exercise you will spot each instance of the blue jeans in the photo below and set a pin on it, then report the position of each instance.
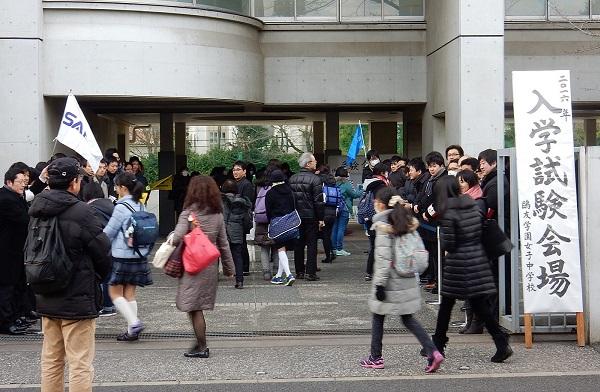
(339, 228)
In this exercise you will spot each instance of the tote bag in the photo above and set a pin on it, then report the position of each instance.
(164, 251)
(199, 252)
(494, 240)
(174, 265)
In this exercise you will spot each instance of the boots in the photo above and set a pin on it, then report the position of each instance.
(469, 313)
(503, 350)
(476, 326)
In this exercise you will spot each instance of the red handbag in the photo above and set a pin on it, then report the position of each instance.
(199, 252)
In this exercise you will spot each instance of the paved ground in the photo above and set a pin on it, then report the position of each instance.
(308, 337)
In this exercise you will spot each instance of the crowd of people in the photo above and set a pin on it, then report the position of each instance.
(406, 206)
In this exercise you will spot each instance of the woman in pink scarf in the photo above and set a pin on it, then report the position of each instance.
(469, 185)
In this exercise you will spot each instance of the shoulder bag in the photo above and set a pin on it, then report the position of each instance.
(199, 252)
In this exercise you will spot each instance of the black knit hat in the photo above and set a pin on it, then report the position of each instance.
(277, 176)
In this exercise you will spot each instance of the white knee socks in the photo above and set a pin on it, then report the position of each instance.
(128, 310)
(284, 264)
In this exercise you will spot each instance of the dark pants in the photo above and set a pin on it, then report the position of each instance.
(238, 261)
(245, 254)
(481, 309)
(325, 235)
(371, 258)
(410, 323)
(8, 305)
(432, 269)
(308, 238)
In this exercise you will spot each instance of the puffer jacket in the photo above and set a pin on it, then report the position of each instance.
(402, 295)
(236, 214)
(116, 227)
(87, 247)
(466, 269)
(308, 193)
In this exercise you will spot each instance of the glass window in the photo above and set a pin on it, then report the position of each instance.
(595, 7)
(238, 6)
(316, 8)
(569, 8)
(274, 8)
(403, 8)
(525, 7)
(360, 8)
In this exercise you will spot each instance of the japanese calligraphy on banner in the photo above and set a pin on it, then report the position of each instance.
(548, 219)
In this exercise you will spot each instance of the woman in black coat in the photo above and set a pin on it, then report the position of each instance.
(280, 202)
(466, 273)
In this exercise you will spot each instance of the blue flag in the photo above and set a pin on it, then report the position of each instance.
(357, 144)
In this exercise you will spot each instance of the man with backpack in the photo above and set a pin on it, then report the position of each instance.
(66, 238)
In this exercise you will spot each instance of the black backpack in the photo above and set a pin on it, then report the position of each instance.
(48, 268)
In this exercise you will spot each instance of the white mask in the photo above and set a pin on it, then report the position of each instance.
(374, 162)
(185, 173)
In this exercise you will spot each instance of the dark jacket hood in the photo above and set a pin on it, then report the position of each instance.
(281, 190)
(373, 183)
(52, 202)
(327, 179)
(236, 200)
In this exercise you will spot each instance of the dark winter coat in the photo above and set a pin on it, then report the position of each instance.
(279, 201)
(308, 192)
(489, 186)
(13, 233)
(246, 189)
(236, 214)
(87, 247)
(103, 209)
(397, 179)
(412, 188)
(466, 269)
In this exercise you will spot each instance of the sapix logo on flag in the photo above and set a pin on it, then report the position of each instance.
(70, 119)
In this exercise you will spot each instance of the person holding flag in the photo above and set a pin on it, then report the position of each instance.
(356, 145)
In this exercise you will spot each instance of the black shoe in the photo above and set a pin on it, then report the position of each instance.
(239, 285)
(327, 261)
(195, 353)
(126, 337)
(475, 328)
(368, 277)
(312, 277)
(503, 350)
(300, 275)
(13, 330)
(246, 273)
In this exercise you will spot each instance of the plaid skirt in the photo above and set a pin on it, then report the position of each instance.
(130, 271)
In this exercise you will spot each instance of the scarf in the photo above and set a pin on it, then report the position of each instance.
(474, 192)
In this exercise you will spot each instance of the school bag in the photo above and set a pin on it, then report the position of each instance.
(48, 268)
(410, 256)
(366, 208)
(260, 208)
(142, 229)
(332, 196)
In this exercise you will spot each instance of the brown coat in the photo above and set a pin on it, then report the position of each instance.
(198, 292)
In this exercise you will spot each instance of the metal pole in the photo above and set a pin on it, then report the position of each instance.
(439, 272)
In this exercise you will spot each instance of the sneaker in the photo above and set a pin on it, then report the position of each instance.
(107, 312)
(434, 362)
(342, 253)
(372, 363)
(126, 337)
(277, 280)
(289, 280)
(137, 328)
(312, 277)
(368, 277)
(300, 275)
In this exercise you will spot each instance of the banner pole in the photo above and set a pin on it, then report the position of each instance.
(527, 318)
(580, 329)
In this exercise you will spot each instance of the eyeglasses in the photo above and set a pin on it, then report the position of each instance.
(22, 182)
(237, 169)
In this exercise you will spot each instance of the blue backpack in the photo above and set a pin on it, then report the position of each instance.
(366, 208)
(332, 196)
(142, 229)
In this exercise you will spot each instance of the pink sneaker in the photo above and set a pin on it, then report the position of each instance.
(435, 361)
(372, 363)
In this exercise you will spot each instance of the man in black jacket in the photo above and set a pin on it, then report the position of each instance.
(13, 232)
(308, 194)
(68, 316)
(245, 189)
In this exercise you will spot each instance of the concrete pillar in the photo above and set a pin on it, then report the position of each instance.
(22, 110)
(180, 145)
(589, 125)
(383, 137)
(319, 141)
(166, 167)
(465, 75)
(412, 120)
(332, 134)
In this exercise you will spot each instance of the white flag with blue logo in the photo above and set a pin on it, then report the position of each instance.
(75, 133)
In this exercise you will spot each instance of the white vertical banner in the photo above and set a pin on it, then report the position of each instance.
(75, 133)
(549, 225)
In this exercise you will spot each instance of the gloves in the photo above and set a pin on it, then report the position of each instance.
(380, 293)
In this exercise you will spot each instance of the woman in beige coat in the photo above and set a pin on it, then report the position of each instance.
(197, 293)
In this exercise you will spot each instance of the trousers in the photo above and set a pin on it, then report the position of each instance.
(73, 341)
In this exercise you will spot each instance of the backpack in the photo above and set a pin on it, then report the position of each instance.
(142, 229)
(366, 208)
(48, 268)
(260, 208)
(332, 196)
(410, 256)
